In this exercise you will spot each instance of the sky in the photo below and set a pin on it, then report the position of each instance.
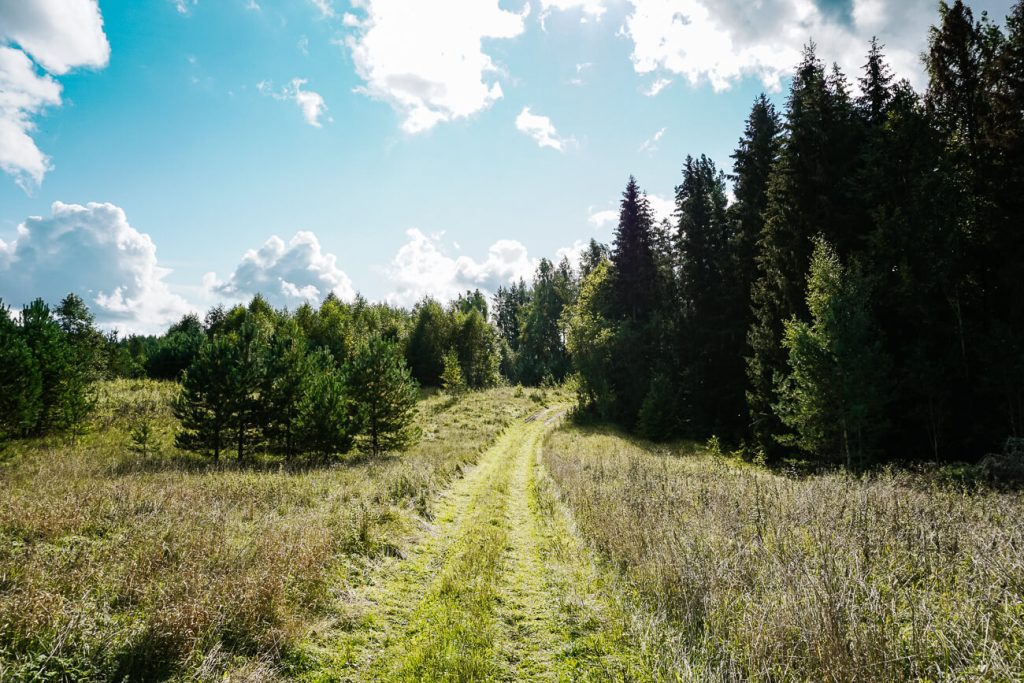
(161, 156)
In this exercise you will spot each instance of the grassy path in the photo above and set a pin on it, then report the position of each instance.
(501, 590)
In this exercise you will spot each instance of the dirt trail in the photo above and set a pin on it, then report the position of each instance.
(501, 590)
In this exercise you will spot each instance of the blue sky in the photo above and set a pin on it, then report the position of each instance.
(392, 147)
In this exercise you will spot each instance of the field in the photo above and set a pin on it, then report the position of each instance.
(741, 573)
(114, 565)
(508, 545)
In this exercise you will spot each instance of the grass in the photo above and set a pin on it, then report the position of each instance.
(741, 573)
(498, 590)
(115, 565)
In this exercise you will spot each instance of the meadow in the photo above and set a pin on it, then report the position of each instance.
(117, 565)
(735, 572)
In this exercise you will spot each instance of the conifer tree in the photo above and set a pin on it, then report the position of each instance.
(834, 394)
(204, 406)
(325, 411)
(21, 386)
(244, 380)
(636, 295)
(287, 365)
(811, 192)
(384, 394)
(635, 274)
(703, 237)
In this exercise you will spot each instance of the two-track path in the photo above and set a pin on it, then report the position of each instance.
(500, 589)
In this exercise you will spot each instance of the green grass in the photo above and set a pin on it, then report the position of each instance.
(741, 573)
(114, 565)
(498, 590)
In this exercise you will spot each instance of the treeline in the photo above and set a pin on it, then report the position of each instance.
(863, 295)
(48, 362)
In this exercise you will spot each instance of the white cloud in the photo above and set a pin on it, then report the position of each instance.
(426, 59)
(253, 6)
(721, 42)
(325, 8)
(310, 102)
(602, 218)
(286, 274)
(663, 208)
(541, 130)
(589, 9)
(657, 86)
(422, 268)
(58, 35)
(93, 251)
(650, 145)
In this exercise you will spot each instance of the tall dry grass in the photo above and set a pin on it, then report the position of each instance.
(741, 573)
(118, 566)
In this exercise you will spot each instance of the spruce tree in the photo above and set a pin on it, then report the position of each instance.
(835, 391)
(384, 394)
(704, 245)
(636, 295)
(812, 191)
(753, 162)
(635, 273)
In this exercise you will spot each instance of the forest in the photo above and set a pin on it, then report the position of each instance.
(858, 301)
(778, 436)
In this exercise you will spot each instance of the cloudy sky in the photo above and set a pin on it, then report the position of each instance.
(160, 156)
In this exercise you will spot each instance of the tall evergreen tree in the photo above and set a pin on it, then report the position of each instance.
(384, 394)
(636, 295)
(834, 394)
(811, 192)
(705, 275)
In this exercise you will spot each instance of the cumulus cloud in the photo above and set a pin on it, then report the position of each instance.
(721, 42)
(93, 251)
(426, 59)
(422, 268)
(57, 36)
(541, 130)
(286, 274)
(310, 102)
